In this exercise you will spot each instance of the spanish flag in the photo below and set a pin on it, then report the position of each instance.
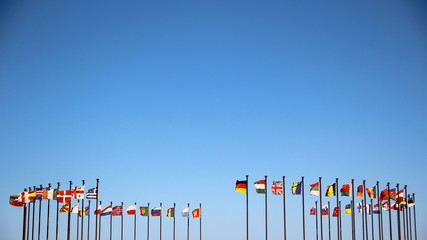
(241, 186)
(330, 191)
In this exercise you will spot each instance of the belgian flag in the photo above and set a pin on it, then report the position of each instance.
(331, 191)
(241, 186)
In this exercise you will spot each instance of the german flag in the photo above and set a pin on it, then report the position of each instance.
(241, 186)
(330, 191)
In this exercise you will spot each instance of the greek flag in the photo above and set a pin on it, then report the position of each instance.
(92, 193)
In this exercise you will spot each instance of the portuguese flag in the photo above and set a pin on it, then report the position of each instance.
(260, 186)
(330, 191)
(241, 186)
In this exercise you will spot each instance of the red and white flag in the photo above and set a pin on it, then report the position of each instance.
(64, 196)
(75, 208)
(78, 192)
(98, 210)
(131, 210)
(23, 197)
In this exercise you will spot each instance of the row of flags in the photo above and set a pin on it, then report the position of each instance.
(331, 190)
(131, 210)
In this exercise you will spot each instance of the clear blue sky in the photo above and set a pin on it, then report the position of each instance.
(173, 101)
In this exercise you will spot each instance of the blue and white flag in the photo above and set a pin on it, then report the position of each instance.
(92, 193)
(359, 207)
(184, 212)
(107, 211)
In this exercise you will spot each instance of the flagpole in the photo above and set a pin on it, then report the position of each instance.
(134, 225)
(410, 220)
(111, 222)
(57, 212)
(96, 208)
(48, 211)
(99, 234)
(265, 189)
(406, 207)
(321, 206)
(188, 223)
(399, 234)
(77, 225)
(88, 221)
(366, 217)
(404, 221)
(303, 212)
(329, 219)
(174, 220)
(363, 219)
(148, 222)
(200, 215)
(317, 228)
(247, 209)
(284, 209)
(379, 211)
(339, 215)
(24, 222)
(83, 208)
(40, 213)
(353, 213)
(389, 210)
(415, 217)
(29, 213)
(161, 221)
(339, 210)
(121, 227)
(34, 212)
(69, 216)
(372, 218)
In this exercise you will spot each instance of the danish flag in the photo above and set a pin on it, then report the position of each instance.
(64, 196)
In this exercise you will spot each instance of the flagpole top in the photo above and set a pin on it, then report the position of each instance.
(58, 184)
(25, 189)
(49, 184)
(41, 186)
(83, 181)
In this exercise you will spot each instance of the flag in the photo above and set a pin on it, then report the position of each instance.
(78, 192)
(330, 190)
(23, 197)
(368, 209)
(47, 193)
(372, 192)
(359, 207)
(314, 189)
(64, 196)
(277, 187)
(385, 206)
(296, 188)
(196, 213)
(157, 211)
(384, 195)
(313, 210)
(92, 193)
(13, 200)
(185, 211)
(85, 211)
(171, 212)
(107, 211)
(144, 211)
(260, 186)
(411, 202)
(393, 193)
(325, 210)
(55, 194)
(64, 208)
(376, 209)
(401, 195)
(346, 190)
(394, 206)
(39, 193)
(360, 191)
(32, 195)
(98, 210)
(335, 214)
(75, 208)
(241, 186)
(117, 211)
(131, 210)
(348, 208)
(402, 205)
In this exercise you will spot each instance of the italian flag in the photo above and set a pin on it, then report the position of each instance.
(260, 186)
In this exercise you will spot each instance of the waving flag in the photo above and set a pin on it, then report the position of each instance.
(131, 210)
(260, 186)
(335, 214)
(117, 211)
(385, 206)
(107, 211)
(64, 208)
(241, 186)
(98, 210)
(196, 213)
(330, 190)
(346, 190)
(313, 210)
(277, 188)
(47, 192)
(401, 195)
(368, 209)
(296, 188)
(32, 195)
(23, 197)
(185, 211)
(64, 196)
(85, 211)
(13, 200)
(325, 210)
(78, 192)
(156, 212)
(384, 195)
(348, 208)
(171, 212)
(411, 202)
(376, 209)
(372, 192)
(39, 193)
(359, 207)
(92, 193)
(144, 211)
(393, 193)
(360, 191)
(314, 189)
(75, 208)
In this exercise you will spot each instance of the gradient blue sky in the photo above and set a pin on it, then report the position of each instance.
(173, 101)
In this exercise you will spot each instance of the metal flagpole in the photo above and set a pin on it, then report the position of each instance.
(29, 213)
(317, 228)
(410, 220)
(366, 217)
(398, 214)
(284, 209)
(389, 210)
(83, 208)
(88, 221)
(174, 221)
(339, 214)
(200, 215)
(48, 212)
(34, 212)
(148, 222)
(134, 225)
(404, 221)
(57, 212)
(24, 222)
(329, 218)
(353, 213)
(69, 216)
(188, 222)
(339, 210)
(321, 218)
(379, 210)
(266, 231)
(247, 209)
(96, 208)
(40, 213)
(415, 217)
(121, 225)
(303, 212)
(161, 220)
(372, 218)
(77, 225)
(406, 210)
(99, 234)
(363, 219)
(111, 223)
